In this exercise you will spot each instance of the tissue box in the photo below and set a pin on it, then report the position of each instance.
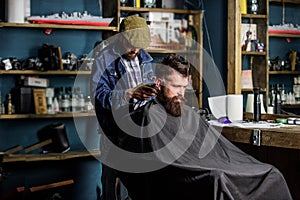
(36, 82)
(158, 16)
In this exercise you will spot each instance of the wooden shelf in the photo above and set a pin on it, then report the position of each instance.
(284, 35)
(57, 26)
(284, 72)
(254, 16)
(262, 90)
(167, 51)
(254, 53)
(50, 72)
(42, 116)
(50, 156)
(176, 11)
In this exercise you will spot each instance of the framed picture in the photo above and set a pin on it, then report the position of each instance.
(40, 103)
(248, 34)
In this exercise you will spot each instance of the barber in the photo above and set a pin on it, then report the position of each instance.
(122, 74)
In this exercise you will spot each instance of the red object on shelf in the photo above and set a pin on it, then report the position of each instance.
(69, 22)
(48, 31)
(292, 32)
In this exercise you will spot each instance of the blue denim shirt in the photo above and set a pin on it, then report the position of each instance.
(109, 81)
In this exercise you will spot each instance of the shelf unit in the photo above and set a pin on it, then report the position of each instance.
(114, 9)
(258, 61)
(51, 156)
(261, 74)
(46, 73)
(280, 38)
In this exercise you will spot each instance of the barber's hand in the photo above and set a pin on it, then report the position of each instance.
(140, 92)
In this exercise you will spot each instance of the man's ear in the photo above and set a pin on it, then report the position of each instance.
(158, 83)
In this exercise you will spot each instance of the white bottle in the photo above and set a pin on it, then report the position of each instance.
(88, 104)
(283, 95)
(55, 105)
(50, 105)
(27, 10)
(74, 100)
(81, 100)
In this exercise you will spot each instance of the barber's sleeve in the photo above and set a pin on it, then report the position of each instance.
(99, 87)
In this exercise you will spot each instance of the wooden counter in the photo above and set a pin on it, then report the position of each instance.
(287, 137)
(279, 147)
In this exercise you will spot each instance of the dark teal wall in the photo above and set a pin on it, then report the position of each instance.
(215, 43)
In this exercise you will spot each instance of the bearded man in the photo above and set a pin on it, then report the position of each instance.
(171, 152)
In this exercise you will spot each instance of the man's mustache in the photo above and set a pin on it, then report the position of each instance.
(179, 97)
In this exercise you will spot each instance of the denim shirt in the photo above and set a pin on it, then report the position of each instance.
(109, 81)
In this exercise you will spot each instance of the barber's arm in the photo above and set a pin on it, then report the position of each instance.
(106, 94)
(101, 87)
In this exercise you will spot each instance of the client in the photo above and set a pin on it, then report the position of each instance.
(178, 155)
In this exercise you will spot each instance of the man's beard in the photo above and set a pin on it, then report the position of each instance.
(171, 105)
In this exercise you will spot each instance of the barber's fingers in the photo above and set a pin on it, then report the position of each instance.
(129, 94)
(144, 91)
(142, 96)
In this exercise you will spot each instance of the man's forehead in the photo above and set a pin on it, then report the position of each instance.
(175, 75)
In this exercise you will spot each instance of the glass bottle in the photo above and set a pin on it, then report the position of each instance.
(277, 107)
(73, 100)
(65, 102)
(296, 89)
(55, 105)
(257, 105)
(191, 34)
(50, 105)
(81, 100)
(272, 96)
(88, 104)
(283, 95)
(9, 104)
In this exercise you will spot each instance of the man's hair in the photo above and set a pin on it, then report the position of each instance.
(170, 63)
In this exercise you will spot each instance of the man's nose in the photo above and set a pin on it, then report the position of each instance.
(181, 91)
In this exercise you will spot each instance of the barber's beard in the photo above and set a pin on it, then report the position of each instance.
(171, 105)
(131, 55)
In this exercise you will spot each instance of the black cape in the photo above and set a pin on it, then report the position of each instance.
(192, 160)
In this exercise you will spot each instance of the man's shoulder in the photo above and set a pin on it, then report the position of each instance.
(145, 56)
(106, 52)
(107, 55)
